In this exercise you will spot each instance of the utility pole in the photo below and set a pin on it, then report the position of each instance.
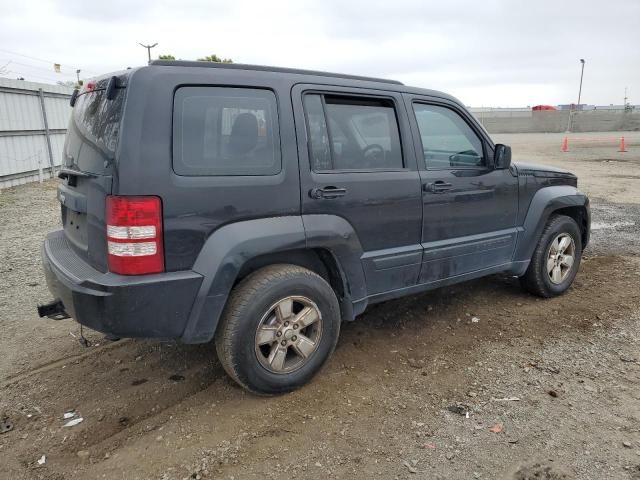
(579, 96)
(148, 47)
(581, 75)
(78, 75)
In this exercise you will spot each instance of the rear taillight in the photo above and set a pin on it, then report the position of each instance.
(134, 235)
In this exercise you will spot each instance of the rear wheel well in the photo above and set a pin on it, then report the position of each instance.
(579, 214)
(318, 260)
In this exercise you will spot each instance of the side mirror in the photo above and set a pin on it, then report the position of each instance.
(502, 156)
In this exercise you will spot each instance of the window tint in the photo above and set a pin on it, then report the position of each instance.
(92, 137)
(447, 140)
(352, 133)
(319, 150)
(225, 131)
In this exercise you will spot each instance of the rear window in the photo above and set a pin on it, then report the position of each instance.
(94, 130)
(225, 131)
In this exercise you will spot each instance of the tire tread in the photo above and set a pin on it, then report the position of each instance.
(532, 281)
(240, 296)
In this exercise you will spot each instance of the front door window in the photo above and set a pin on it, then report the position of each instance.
(447, 140)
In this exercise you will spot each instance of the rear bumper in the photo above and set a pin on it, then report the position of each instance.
(155, 305)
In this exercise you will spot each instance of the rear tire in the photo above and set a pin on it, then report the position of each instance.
(556, 258)
(279, 327)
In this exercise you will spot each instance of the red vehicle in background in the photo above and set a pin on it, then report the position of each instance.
(540, 108)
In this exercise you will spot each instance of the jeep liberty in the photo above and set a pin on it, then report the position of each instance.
(260, 207)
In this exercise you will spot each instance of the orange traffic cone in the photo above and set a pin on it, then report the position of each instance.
(564, 147)
(622, 149)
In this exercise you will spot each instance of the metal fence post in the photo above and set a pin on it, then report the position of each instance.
(46, 131)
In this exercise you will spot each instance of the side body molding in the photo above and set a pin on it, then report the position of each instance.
(221, 258)
(543, 204)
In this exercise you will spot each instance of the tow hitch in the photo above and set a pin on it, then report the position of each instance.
(54, 310)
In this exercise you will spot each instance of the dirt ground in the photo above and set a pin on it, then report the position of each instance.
(474, 381)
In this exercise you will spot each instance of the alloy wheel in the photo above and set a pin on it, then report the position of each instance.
(288, 334)
(562, 253)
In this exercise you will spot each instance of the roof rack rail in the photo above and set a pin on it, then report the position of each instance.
(263, 68)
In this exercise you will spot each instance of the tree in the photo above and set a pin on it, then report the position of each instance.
(166, 57)
(215, 58)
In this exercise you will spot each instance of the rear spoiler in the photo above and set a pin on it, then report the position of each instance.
(110, 84)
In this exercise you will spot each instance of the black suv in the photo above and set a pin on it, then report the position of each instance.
(260, 207)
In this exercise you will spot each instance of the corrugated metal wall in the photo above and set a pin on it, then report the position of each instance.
(23, 139)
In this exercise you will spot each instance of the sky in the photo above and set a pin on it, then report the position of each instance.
(487, 53)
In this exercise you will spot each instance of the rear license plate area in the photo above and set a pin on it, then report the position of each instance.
(75, 226)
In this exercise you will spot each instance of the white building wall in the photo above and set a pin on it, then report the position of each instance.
(23, 140)
(58, 112)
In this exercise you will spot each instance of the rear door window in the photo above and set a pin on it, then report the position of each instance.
(352, 133)
(225, 131)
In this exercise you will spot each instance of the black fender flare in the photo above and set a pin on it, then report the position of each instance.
(335, 234)
(231, 246)
(546, 201)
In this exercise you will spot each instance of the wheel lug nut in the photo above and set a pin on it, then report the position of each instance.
(278, 334)
(295, 325)
(283, 343)
(286, 324)
(294, 338)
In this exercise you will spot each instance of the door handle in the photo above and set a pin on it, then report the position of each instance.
(327, 192)
(437, 187)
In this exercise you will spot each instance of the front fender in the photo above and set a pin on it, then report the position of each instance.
(546, 201)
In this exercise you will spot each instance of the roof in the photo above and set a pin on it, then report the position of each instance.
(262, 68)
(393, 84)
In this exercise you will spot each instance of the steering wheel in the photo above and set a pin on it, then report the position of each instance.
(374, 147)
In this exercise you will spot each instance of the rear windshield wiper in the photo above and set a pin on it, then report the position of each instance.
(67, 172)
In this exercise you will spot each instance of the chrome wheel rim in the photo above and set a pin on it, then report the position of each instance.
(561, 257)
(288, 334)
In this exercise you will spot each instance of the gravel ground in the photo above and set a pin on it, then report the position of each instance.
(531, 389)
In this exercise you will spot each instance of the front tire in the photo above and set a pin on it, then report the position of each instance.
(556, 258)
(279, 327)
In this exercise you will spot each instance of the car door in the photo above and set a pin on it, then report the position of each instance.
(469, 207)
(357, 162)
